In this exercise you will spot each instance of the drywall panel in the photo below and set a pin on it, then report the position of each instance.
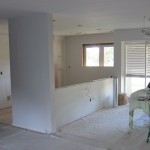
(5, 85)
(76, 101)
(76, 73)
(32, 72)
(59, 61)
(119, 37)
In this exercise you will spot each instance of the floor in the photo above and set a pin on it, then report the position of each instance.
(106, 129)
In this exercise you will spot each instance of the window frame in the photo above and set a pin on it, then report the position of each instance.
(101, 57)
(133, 75)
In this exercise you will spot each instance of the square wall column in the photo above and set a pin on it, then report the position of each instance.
(32, 72)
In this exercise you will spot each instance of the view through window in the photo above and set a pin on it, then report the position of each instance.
(92, 56)
(98, 55)
(137, 65)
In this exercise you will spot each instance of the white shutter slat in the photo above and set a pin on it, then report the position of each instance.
(137, 62)
(135, 59)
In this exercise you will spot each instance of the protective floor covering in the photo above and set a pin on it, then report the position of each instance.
(27, 140)
(7, 130)
(108, 128)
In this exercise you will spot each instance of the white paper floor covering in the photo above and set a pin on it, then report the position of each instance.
(108, 128)
(19, 139)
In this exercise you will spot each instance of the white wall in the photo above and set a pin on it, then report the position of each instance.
(32, 72)
(59, 44)
(78, 73)
(73, 102)
(119, 37)
(5, 86)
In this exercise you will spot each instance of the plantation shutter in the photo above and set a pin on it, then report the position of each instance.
(148, 59)
(137, 59)
(137, 65)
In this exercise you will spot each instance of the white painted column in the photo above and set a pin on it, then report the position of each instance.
(32, 72)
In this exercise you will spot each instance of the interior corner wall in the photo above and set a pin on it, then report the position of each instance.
(32, 72)
(119, 37)
(76, 73)
(59, 44)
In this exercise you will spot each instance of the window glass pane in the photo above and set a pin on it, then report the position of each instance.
(137, 65)
(109, 56)
(134, 83)
(92, 56)
(98, 55)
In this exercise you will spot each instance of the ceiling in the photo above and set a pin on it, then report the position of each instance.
(73, 17)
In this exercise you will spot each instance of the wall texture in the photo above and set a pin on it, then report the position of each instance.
(32, 72)
(76, 101)
(76, 73)
(59, 47)
(120, 36)
(5, 85)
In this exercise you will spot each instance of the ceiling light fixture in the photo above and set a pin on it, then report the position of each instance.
(79, 25)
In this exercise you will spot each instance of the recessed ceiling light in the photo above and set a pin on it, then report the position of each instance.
(79, 25)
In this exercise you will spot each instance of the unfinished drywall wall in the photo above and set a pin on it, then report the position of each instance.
(32, 72)
(76, 73)
(5, 84)
(119, 37)
(59, 43)
(76, 101)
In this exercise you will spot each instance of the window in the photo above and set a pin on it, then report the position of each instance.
(137, 65)
(98, 55)
(92, 56)
(108, 56)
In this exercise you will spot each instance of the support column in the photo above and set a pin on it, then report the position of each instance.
(32, 72)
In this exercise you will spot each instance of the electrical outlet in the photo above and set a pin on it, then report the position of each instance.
(8, 97)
